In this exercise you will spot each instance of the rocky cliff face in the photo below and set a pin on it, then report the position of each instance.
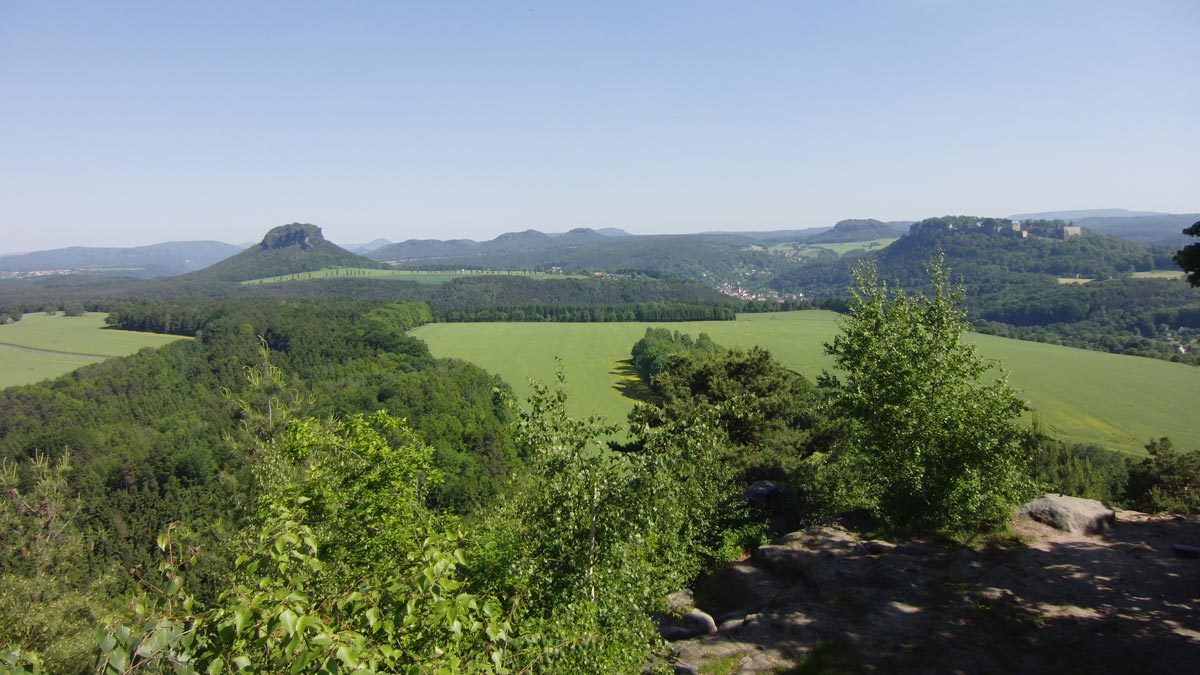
(301, 235)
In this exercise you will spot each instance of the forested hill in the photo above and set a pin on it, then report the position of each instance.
(696, 257)
(287, 249)
(1013, 290)
(986, 251)
(855, 230)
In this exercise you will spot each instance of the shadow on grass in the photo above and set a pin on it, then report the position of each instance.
(630, 384)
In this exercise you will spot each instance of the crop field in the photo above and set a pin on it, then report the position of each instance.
(41, 346)
(419, 276)
(1082, 396)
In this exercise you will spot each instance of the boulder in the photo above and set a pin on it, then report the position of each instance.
(763, 492)
(684, 620)
(1070, 514)
(695, 622)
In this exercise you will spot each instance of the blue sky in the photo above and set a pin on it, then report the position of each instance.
(133, 123)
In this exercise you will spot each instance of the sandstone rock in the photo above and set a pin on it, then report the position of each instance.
(684, 621)
(738, 589)
(700, 622)
(1070, 514)
(681, 601)
(764, 491)
(819, 554)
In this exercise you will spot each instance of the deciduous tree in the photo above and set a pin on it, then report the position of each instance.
(934, 440)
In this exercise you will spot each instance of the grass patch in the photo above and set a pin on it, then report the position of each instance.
(41, 346)
(419, 276)
(724, 665)
(1073, 280)
(1082, 396)
(827, 657)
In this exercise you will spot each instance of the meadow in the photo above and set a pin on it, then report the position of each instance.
(1082, 396)
(40, 346)
(419, 276)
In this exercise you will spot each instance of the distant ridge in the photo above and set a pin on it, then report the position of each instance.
(363, 249)
(287, 249)
(1084, 213)
(155, 260)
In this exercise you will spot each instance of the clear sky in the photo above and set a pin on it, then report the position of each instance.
(130, 123)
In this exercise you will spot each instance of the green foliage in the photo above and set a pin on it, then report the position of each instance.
(159, 436)
(1088, 471)
(763, 409)
(1188, 258)
(1167, 480)
(48, 594)
(931, 445)
(386, 327)
(654, 352)
(335, 576)
(591, 541)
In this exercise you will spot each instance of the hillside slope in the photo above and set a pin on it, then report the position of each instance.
(287, 249)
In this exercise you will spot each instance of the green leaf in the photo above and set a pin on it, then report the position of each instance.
(118, 660)
(288, 618)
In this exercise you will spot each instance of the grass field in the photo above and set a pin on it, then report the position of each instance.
(1082, 396)
(1154, 274)
(1158, 274)
(419, 276)
(41, 346)
(843, 248)
(802, 251)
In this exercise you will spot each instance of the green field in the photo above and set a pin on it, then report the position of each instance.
(1082, 396)
(41, 346)
(1158, 274)
(419, 276)
(841, 248)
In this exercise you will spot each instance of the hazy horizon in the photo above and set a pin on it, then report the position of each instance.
(140, 123)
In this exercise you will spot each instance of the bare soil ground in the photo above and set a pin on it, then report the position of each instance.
(1044, 601)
